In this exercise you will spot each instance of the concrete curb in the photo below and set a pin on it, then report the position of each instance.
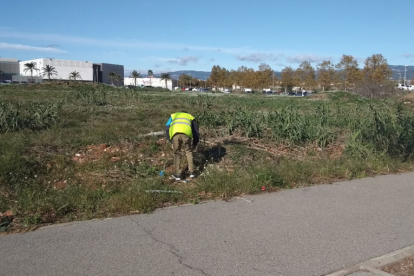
(373, 264)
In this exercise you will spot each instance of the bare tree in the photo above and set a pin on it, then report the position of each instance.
(306, 76)
(288, 78)
(326, 74)
(375, 81)
(348, 72)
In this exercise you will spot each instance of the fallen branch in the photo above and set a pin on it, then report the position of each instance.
(253, 146)
(157, 133)
(163, 191)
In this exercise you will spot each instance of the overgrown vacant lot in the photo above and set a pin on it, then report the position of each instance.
(73, 152)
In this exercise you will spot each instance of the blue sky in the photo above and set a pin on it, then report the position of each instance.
(195, 35)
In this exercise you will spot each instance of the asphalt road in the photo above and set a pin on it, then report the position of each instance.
(304, 231)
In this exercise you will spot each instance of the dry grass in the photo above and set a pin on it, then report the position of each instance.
(319, 96)
(93, 162)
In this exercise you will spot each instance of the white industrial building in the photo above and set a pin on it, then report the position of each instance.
(62, 67)
(154, 82)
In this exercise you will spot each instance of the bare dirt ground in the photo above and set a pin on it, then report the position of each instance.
(405, 267)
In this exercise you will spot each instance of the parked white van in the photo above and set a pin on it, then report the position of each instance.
(402, 87)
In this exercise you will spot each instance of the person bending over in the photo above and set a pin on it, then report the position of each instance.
(182, 132)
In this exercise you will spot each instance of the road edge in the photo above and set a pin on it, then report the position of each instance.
(375, 263)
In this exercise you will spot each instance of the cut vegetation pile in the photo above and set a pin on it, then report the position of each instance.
(73, 152)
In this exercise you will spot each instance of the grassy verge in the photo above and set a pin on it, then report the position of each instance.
(74, 152)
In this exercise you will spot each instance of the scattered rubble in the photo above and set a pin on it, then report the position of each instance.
(93, 153)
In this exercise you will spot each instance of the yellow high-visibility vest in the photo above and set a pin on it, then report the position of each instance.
(181, 123)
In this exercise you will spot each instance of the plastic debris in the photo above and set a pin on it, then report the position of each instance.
(248, 200)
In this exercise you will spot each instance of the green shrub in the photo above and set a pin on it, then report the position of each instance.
(34, 116)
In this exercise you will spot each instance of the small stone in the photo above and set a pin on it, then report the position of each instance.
(60, 185)
(103, 146)
(8, 213)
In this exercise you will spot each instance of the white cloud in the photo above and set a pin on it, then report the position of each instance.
(21, 47)
(132, 43)
(53, 45)
(183, 60)
(307, 57)
(257, 57)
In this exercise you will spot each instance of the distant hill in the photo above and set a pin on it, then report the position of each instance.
(397, 70)
(201, 75)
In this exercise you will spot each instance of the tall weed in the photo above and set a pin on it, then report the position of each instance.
(34, 115)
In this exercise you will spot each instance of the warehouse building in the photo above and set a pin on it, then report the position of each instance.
(154, 82)
(9, 67)
(62, 67)
(88, 71)
(101, 73)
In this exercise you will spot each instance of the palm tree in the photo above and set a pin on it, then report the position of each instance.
(49, 71)
(74, 75)
(166, 77)
(135, 76)
(117, 78)
(30, 66)
(150, 74)
(112, 76)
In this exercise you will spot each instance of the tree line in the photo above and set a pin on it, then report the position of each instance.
(345, 75)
